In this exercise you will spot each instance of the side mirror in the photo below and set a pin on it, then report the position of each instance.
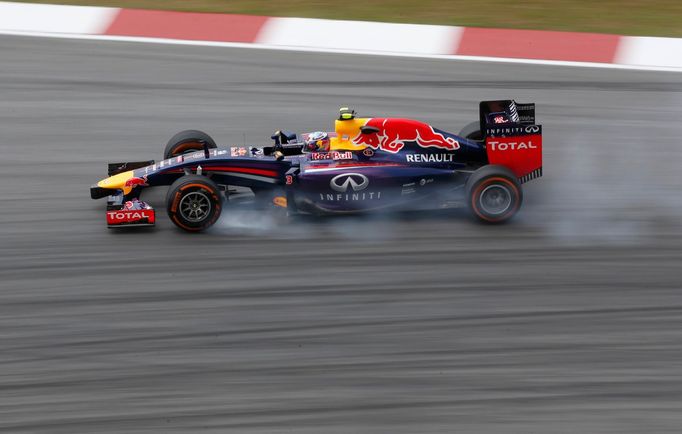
(368, 130)
(207, 154)
(283, 137)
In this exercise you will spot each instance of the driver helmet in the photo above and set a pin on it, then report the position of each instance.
(317, 141)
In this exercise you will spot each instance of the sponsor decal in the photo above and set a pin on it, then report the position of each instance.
(511, 146)
(368, 152)
(170, 161)
(130, 216)
(501, 131)
(393, 134)
(526, 112)
(513, 130)
(409, 188)
(333, 155)
(136, 182)
(500, 120)
(430, 158)
(135, 204)
(350, 197)
(350, 187)
(239, 151)
(343, 182)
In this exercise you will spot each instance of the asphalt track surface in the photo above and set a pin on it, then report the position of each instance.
(568, 320)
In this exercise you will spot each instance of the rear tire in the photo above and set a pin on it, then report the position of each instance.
(186, 142)
(493, 194)
(194, 203)
(472, 131)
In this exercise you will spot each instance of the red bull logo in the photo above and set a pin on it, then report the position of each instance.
(393, 134)
(134, 182)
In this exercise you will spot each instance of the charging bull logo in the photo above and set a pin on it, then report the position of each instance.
(135, 182)
(392, 134)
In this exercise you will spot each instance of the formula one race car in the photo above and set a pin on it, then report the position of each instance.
(366, 164)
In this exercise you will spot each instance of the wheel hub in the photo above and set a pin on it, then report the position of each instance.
(495, 199)
(195, 206)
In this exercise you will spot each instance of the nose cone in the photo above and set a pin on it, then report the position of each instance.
(118, 182)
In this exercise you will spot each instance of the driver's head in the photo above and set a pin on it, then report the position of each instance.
(317, 141)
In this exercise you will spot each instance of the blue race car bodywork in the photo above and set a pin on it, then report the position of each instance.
(370, 164)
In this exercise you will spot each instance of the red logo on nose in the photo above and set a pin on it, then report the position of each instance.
(133, 182)
(393, 134)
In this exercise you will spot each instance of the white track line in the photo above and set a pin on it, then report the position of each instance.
(450, 57)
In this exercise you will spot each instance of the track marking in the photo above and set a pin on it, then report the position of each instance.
(448, 57)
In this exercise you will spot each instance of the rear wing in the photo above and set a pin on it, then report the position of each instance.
(512, 138)
(496, 113)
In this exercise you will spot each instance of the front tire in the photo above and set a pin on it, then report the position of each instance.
(194, 203)
(186, 142)
(494, 194)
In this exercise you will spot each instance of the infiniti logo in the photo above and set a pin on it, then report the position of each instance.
(354, 180)
(532, 129)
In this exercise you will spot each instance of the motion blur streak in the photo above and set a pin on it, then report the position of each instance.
(568, 320)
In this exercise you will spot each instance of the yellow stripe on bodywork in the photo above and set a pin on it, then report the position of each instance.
(117, 182)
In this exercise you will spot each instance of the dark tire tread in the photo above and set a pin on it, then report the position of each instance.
(490, 175)
(190, 183)
(187, 141)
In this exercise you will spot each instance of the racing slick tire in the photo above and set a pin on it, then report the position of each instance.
(194, 203)
(493, 194)
(186, 142)
(472, 131)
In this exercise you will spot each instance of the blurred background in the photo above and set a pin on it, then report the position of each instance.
(624, 17)
(566, 320)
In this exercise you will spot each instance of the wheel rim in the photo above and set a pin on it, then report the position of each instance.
(495, 199)
(195, 206)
